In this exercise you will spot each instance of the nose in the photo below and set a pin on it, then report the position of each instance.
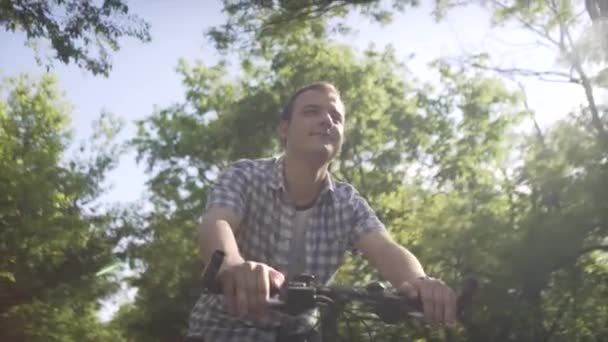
(326, 119)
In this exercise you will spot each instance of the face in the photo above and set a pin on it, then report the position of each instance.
(316, 126)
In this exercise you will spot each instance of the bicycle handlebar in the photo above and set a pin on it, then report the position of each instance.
(300, 295)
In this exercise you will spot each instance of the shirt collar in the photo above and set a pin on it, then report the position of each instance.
(277, 181)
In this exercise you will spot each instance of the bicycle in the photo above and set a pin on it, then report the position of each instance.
(301, 294)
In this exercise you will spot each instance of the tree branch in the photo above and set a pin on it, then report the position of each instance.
(586, 83)
(556, 13)
(574, 57)
(539, 132)
(531, 73)
(541, 32)
(311, 13)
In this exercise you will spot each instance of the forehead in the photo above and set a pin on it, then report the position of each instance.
(320, 97)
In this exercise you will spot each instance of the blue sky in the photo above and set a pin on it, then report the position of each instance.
(144, 77)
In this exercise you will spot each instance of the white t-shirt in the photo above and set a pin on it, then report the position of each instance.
(297, 257)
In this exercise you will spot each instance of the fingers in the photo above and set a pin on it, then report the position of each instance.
(437, 311)
(252, 291)
(449, 298)
(229, 291)
(276, 277)
(441, 304)
(426, 297)
(247, 286)
(445, 303)
(262, 288)
(409, 290)
(255, 286)
(438, 301)
(242, 289)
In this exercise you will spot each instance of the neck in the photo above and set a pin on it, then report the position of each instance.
(303, 179)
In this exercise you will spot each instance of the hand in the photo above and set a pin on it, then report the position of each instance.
(438, 300)
(246, 287)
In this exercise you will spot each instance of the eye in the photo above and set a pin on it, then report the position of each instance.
(337, 117)
(310, 111)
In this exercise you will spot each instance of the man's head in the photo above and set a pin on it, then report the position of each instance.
(312, 122)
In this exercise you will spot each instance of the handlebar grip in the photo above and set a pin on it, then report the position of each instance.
(466, 294)
(209, 278)
(210, 283)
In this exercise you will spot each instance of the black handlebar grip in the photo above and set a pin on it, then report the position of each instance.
(466, 294)
(210, 283)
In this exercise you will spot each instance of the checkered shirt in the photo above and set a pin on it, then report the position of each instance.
(254, 189)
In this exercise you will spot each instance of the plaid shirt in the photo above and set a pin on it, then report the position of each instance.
(254, 189)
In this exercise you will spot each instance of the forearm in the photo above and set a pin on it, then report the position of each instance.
(217, 234)
(397, 264)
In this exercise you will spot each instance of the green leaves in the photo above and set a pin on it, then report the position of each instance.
(83, 33)
(258, 27)
(440, 163)
(51, 243)
(394, 124)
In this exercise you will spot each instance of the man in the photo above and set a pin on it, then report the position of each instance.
(278, 217)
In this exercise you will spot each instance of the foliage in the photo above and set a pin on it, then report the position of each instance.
(440, 163)
(81, 32)
(383, 104)
(258, 27)
(52, 239)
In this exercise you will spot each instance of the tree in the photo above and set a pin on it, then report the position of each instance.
(259, 26)
(81, 32)
(597, 9)
(555, 23)
(225, 119)
(559, 217)
(440, 163)
(54, 237)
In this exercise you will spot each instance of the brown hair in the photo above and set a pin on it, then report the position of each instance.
(287, 111)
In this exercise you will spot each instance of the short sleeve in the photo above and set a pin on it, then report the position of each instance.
(230, 188)
(364, 220)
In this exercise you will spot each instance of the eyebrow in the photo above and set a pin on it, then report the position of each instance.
(314, 106)
(311, 106)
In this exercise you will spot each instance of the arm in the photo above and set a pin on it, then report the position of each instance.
(403, 270)
(393, 261)
(400, 267)
(245, 283)
(370, 237)
(217, 232)
(223, 214)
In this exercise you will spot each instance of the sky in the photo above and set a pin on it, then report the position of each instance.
(144, 78)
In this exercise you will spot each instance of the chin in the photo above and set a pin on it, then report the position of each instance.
(324, 154)
(317, 153)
